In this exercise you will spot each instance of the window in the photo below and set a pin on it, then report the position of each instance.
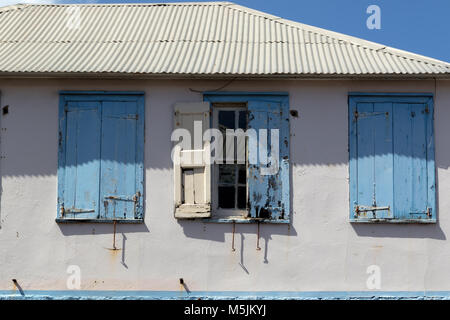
(392, 172)
(101, 148)
(243, 181)
(230, 172)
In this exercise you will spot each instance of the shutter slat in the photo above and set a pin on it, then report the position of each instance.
(374, 151)
(410, 161)
(82, 145)
(119, 159)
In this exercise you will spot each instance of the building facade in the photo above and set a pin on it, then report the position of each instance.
(93, 205)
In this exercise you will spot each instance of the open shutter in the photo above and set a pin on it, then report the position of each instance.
(268, 181)
(192, 173)
(80, 145)
(121, 160)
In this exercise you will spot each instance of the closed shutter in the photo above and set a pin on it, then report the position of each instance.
(192, 173)
(411, 197)
(81, 148)
(101, 157)
(375, 159)
(392, 159)
(268, 180)
(120, 181)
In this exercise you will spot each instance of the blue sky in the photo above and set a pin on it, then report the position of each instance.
(420, 26)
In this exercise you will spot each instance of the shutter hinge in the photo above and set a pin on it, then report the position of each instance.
(427, 110)
(429, 212)
(78, 210)
(355, 114)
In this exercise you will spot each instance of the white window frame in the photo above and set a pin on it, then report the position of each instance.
(221, 213)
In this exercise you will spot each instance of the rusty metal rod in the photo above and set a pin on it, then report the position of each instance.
(257, 239)
(232, 241)
(114, 236)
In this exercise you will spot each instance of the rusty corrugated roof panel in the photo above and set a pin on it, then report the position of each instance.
(204, 38)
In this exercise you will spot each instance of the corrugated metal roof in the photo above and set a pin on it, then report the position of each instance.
(205, 39)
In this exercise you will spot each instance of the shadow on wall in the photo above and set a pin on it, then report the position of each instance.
(418, 231)
(77, 229)
(217, 231)
(30, 135)
(319, 137)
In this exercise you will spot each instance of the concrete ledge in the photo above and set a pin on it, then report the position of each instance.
(223, 295)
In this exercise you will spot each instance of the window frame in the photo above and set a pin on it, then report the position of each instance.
(366, 97)
(139, 98)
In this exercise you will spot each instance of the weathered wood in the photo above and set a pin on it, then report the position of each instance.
(391, 159)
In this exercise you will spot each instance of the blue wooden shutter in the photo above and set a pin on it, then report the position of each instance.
(391, 159)
(375, 158)
(101, 152)
(121, 177)
(268, 195)
(410, 161)
(80, 147)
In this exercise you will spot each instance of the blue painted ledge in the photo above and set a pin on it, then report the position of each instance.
(223, 295)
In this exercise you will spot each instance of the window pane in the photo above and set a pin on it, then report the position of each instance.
(243, 119)
(242, 177)
(226, 197)
(230, 195)
(226, 120)
(227, 174)
(242, 197)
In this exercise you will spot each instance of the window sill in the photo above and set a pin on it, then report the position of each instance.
(59, 220)
(398, 221)
(244, 220)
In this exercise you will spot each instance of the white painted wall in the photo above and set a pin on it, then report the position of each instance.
(319, 251)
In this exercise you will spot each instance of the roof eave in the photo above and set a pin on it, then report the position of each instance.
(113, 75)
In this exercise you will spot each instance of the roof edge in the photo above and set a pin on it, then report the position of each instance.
(173, 76)
(142, 4)
(14, 7)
